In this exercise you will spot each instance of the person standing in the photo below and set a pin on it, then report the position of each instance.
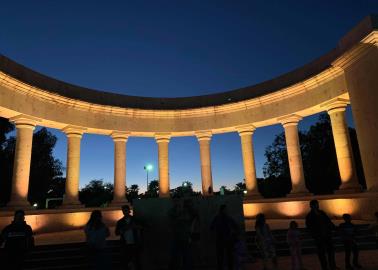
(226, 231)
(320, 227)
(181, 217)
(374, 227)
(18, 238)
(293, 239)
(128, 231)
(96, 233)
(265, 241)
(348, 231)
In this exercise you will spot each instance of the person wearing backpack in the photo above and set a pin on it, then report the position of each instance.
(18, 239)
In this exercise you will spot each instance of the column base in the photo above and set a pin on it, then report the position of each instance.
(68, 205)
(299, 194)
(372, 189)
(119, 203)
(16, 205)
(350, 190)
(253, 196)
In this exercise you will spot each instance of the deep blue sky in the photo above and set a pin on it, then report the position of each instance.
(172, 48)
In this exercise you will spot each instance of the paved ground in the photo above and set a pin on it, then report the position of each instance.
(368, 259)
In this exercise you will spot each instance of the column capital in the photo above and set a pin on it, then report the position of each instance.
(245, 129)
(119, 136)
(335, 105)
(203, 135)
(289, 120)
(74, 131)
(162, 137)
(24, 121)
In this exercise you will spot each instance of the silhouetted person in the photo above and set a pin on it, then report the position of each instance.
(130, 240)
(265, 241)
(226, 230)
(18, 238)
(348, 233)
(293, 239)
(96, 233)
(320, 227)
(181, 219)
(374, 228)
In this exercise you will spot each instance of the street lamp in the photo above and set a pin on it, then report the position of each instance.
(148, 168)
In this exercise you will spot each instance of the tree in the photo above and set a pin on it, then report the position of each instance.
(96, 193)
(223, 190)
(132, 193)
(319, 161)
(240, 187)
(319, 158)
(274, 186)
(185, 190)
(43, 168)
(153, 189)
(5, 128)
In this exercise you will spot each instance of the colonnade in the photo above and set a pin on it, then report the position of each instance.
(25, 126)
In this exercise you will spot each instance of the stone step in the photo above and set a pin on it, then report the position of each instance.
(74, 255)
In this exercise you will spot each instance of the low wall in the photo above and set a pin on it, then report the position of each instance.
(360, 205)
(57, 220)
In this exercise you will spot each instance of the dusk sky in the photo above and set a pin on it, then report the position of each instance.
(171, 49)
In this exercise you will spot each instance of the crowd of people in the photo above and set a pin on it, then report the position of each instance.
(186, 234)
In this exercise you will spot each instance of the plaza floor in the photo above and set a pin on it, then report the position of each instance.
(368, 259)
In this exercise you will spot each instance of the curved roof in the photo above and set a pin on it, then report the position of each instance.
(41, 81)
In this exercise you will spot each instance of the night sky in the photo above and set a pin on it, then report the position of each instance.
(170, 49)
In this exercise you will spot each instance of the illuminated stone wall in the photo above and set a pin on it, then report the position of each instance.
(361, 207)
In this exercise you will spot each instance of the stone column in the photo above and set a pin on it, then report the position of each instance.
(204, 138)
(290, 124)
(71, 197)
(163, 152)
(21, 166)
(246, 133)
(344, 152)
(360, 67)
(120, 139)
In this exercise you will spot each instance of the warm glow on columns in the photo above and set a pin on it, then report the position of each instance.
(74, 135)
(290, 125)
(163, 152)
(204, 138)
(344, 153)
(246, 133)
(21, 166)
(120, 139)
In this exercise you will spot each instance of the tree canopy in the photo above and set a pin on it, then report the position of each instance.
(96, 193)
(319, 161)
(43, 168)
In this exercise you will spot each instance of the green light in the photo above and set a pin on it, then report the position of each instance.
(148, 167)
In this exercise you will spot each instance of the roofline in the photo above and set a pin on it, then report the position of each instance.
(38, 80)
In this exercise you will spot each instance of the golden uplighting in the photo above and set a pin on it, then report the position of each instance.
(338, 207)
(292, 209)
(251, 210)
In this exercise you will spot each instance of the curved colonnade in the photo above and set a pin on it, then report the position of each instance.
(346, 75)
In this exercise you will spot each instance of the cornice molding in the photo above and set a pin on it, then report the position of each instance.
(289, 120)
(352, 56)
(299, 88)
